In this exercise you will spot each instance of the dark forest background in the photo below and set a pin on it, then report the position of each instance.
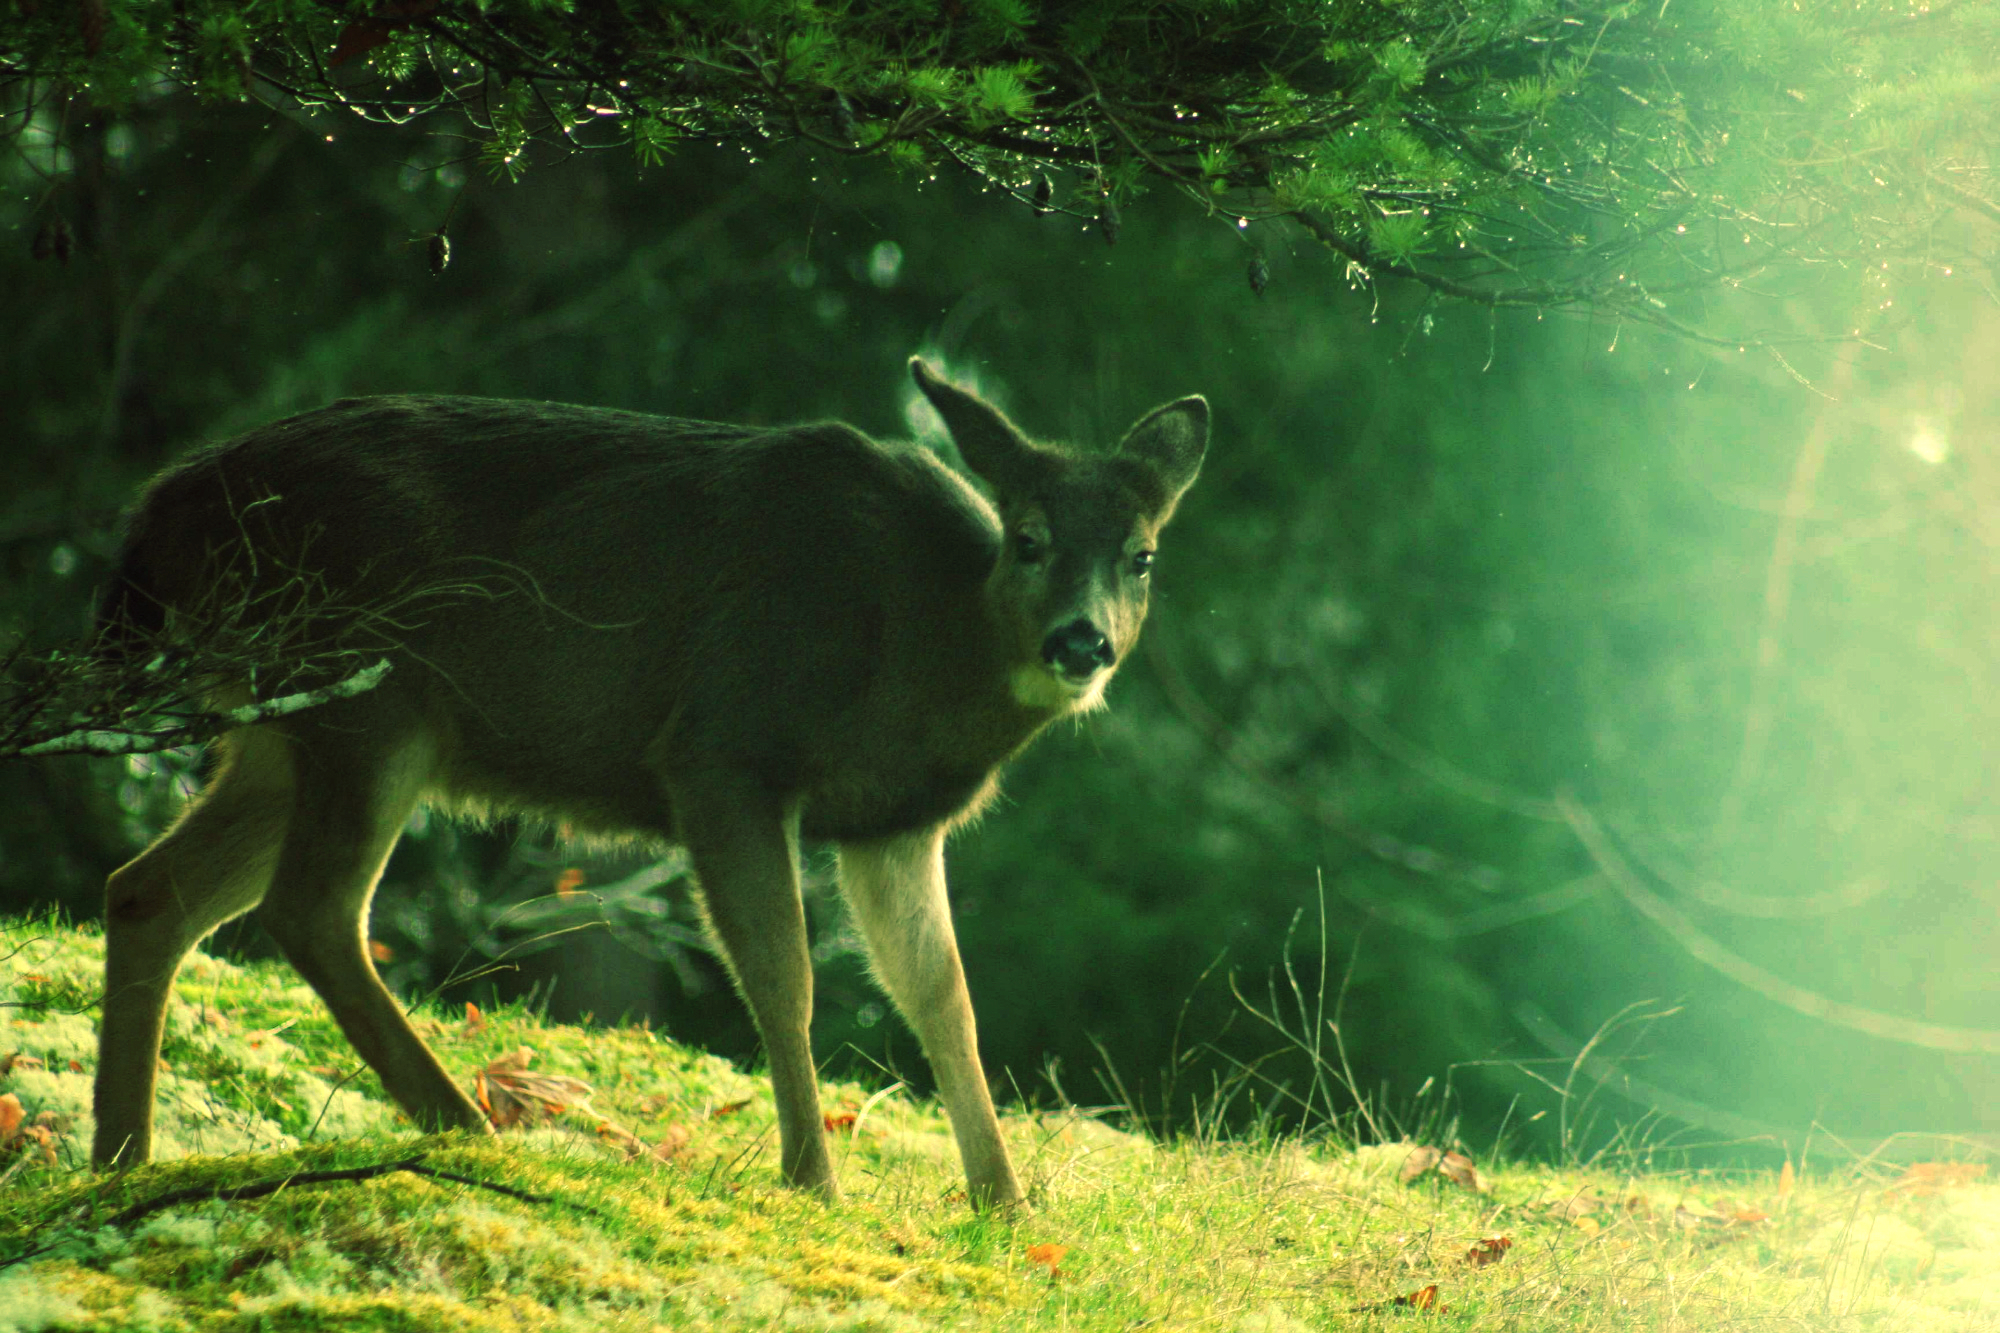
(1452, 582)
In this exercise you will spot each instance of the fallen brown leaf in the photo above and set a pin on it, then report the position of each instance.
(1423, 1298)
(1421, 1159)
(1459, 1170)
(38, 1138)
(1920, 1179)
(1453, 1166)
(1048, 1256)
(632, 1147)
(1689, 1216)
(510, 1095)
(1580, 1204)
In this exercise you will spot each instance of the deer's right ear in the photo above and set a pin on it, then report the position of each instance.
(988, 442)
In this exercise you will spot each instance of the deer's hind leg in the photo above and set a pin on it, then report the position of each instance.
(214, 864)
(355, 794)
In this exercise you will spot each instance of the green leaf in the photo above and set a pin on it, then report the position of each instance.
(1011, 17)
(807, 51)
(937, 85)
(1399, 238)
(653, 140)
(1401, 64)
(1529, 96)
(1216, 163)
(1326, 189)
(1000, 91)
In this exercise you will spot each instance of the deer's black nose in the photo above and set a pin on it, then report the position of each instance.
(1078, 650)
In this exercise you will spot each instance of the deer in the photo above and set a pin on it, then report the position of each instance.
(726, 639)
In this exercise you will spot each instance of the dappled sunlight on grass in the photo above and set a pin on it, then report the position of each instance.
(673, 1217)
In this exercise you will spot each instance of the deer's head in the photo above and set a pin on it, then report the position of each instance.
(1070, 588)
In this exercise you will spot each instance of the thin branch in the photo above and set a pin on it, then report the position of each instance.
(201, 726)
(264, 1188)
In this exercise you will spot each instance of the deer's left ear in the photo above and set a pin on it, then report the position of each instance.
(1172, 440)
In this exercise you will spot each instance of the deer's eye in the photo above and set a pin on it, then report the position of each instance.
(1142, 563)
(1028, 549)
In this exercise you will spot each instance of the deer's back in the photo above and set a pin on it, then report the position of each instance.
(590, 599)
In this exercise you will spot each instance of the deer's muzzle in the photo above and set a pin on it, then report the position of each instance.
(1077, 650)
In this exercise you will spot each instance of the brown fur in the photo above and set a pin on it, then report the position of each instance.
(712, 635)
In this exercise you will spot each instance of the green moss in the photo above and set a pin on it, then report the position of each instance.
(1266, 1237)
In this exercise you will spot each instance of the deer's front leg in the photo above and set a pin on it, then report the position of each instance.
(744, 845)
(896, 886)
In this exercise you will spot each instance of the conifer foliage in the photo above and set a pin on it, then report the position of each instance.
(1633, 159)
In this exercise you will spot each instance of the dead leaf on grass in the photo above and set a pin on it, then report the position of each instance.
(1421, 1159)
(1423, 1298)
(1921, 1179)
(510, 1095)
(1453, 1166)
(1048, 1256)
(632, 1147)
(1459, 1170)
(26, 1140)
(1578, 1205)
(1692, 1216)
(728, 1109)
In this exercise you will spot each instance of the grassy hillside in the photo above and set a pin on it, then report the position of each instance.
(287, 1196)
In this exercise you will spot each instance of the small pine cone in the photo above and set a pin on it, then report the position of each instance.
(1109, 222)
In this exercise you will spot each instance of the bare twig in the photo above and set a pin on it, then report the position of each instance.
(201, 726)
(264, 1188)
